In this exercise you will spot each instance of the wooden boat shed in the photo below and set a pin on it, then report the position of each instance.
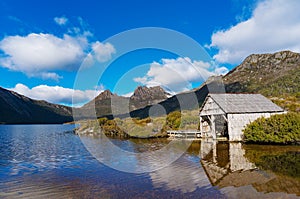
(226, 115)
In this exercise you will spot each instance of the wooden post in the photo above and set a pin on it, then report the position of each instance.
(214, 143)
(213, 127)
(201, 126)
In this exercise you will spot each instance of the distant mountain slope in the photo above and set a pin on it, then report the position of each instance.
(18, 109)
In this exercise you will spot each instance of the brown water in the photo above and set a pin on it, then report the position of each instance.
(46, 161)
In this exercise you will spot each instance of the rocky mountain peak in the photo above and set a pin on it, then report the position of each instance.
(144, 93)
(107, 94)
(144, 96)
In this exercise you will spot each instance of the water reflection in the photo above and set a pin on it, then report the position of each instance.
(123, 155)
(184, 175)
(254, 171)
(46, 162)
(220, 160)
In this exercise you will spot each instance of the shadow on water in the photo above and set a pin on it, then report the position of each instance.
(44, 162)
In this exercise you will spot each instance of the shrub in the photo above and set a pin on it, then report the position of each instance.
(281, 129)
(173, 120)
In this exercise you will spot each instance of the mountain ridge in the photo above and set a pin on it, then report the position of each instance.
(19, 109)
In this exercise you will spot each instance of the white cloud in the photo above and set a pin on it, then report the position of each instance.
(37, 53)
(57, 94)
(221, 70)
(41, 55)
(46, 75)
(177, 75)
(273, 26)
(61, 20)
(103, 52)
(127, 94)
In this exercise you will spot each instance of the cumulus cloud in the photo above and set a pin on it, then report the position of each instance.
(177, 75)
(57, 94)
(273, 26)
(41, 55)
(61, 20)
(46, 75)
(103, 52)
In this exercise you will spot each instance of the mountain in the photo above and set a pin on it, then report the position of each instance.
(276, 76)
(18, 109)
(107, 103)
(144, 96)
(271, 74)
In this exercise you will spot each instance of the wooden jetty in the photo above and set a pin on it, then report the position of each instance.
(184, 134)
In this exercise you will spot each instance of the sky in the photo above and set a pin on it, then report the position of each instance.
(68, 52)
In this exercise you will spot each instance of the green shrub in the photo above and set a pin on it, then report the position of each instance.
(173, 121)
(281, 129)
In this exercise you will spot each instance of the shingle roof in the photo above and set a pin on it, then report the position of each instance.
(245, 103)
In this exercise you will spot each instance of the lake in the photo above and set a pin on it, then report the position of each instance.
(49, 161)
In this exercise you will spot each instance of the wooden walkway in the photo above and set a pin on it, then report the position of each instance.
(184, 134)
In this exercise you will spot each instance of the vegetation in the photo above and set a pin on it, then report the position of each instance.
(279, 129)
(143, 128)
(173, 121)
(289, 102)
(110, 127)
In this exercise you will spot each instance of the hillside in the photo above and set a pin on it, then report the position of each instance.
(276, 76)
(18, 109)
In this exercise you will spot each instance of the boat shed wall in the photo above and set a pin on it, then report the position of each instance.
(238, 121)
(211, 108)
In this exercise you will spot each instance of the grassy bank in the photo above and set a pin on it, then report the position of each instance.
(142, 128)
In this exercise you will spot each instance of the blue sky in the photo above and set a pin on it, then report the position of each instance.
(44, 43)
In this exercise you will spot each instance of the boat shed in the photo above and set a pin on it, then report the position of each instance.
(226, 115)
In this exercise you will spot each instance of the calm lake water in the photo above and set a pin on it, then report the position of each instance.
(48, 161)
